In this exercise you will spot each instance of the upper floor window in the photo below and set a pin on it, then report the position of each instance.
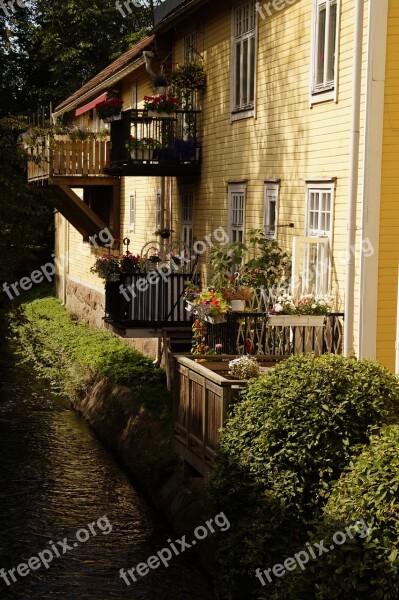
(319, 214)
(325, 49)
(190, 42)
(244, 57)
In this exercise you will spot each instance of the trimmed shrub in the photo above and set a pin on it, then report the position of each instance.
(285, 444)
(363, 567)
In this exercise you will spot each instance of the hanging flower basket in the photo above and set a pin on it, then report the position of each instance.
(110, 110)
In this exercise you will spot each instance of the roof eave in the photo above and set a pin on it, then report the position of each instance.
(100, 87)
(177, 15)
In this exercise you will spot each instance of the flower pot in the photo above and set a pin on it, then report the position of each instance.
(112, 118)
(113, 277)
(155, 114)
(237, 305)
(161, 90)
(145, 154)
(189, 306)
(215, 320)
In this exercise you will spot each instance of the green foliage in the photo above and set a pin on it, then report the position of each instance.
(71, 354)
(261, 262)
(361, 568)
(285, 444)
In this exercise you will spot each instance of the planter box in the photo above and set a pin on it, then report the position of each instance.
(306, 332)
(145, 154)
(237, 305)
(154, 114)
(113, 118)
(296, 320)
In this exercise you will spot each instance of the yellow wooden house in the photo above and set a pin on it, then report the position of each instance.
(295, 133)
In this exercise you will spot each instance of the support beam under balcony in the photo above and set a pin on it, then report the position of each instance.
(72, 207)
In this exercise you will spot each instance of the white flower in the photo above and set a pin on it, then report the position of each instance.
(278, 308)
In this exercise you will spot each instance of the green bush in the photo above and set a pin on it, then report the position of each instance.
(70, 354)
(361, 568)
(290, 438)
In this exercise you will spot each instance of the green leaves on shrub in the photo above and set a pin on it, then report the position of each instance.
(290, 438)
(367, 568)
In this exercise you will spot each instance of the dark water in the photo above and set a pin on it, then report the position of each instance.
(55, 479)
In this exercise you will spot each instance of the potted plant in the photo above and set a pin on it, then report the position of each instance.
(142, 149)
(305, 316)
(153, 261)
(244, 367)
(235, 293)
(110, 110)
(161, 106)
(189, 77)
(160, 84)
(209, 306)
(164, 233)
(130, 263)
(107, 267)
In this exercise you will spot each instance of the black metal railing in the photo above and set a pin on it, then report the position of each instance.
(253, 333)
(147, 299)
(157, 139)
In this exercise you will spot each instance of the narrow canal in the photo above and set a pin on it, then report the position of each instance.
(56, 478)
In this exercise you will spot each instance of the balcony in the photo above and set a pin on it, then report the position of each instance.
(166, 146)
(58, 160)
(152, 301)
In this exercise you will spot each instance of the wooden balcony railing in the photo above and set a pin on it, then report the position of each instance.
(57, 157)
(153, 299)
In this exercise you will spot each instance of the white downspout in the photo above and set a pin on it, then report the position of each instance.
(148, 56)
(353, 181)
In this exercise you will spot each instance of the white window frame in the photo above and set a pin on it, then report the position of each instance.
(189, 47)
(319, 238)
(132, 212)
(271, 188)
(328, 90)
(236, 226)
(249, 110)
(187, 232)
(158, 210)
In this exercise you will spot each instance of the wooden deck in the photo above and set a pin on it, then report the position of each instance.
(62, 161)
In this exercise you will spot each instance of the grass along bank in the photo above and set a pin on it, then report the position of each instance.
(71, 354)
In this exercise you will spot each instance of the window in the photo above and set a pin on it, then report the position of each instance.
(236, 212)
(190, 42)
(312, 254)
(271, 208)
(187, 204)
(132, 212)
(325, 49)
(158, 211)
(244, 57)
(319, 209)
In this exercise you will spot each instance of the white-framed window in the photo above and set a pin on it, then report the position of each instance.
(319, 203)
(187, 207)
(158, 211)
(190, 45)
(236, 212)
(324, 50)
(312, 253)
(132, 212)
(243, 71)
(271, 209)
